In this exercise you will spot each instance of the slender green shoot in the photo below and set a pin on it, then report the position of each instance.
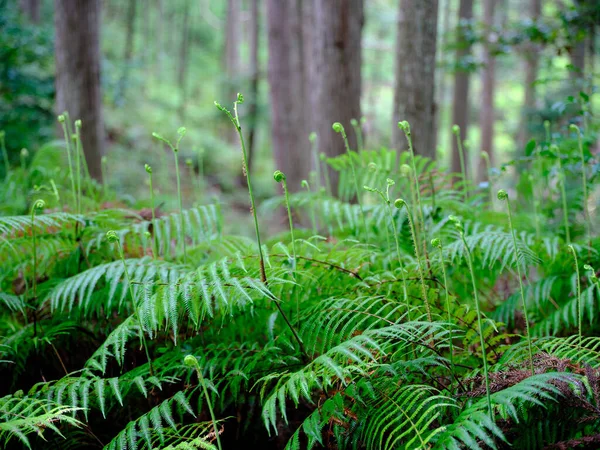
(192, 361)
(4, 154)
(153, 208)
(323, 159)
(75, 140)
(586, 213)
(234, 118)
(563, 193)
(503, 196)
(112, 237)
(437, 243)
(578, 283)
(405, 127)
(38, 204)
(314, 149)
(399, 203)
(388, 203)
(461, 156)
(24, 156)
(313, 219)
(104, 169)
(357, 127)
(339, 128)
(175, 148)
(279, 177)
(488, 171)
(79, 148)
(469, 259)
(62, 120)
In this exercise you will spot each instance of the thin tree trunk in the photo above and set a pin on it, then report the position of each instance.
(414, 97)
(128, 54)
(182, 67)
(254, 78)
(77, 51)
(441, 73)
(31, 8)
(488, 88)
(337, 85)
(531, 71)
(289, 130)
(460, 101)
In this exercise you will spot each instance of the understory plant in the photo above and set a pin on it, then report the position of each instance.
(103, 345)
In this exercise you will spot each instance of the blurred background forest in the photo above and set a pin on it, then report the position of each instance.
(127, 68)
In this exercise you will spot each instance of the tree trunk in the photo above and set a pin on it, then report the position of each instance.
(182, 67)
(128, 54)
(289, 105)
(488, 83)
(531, 70)
(337, 85)
(254, 78)
(441, 73)
(460, 102)
(414, 97)
(31, 8)
(77, 51)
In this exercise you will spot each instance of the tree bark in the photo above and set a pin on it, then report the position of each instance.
(182, 67)
(460, 102)
(78, 90)
(337, 85)
(254, 78)
(531, 71)
(128, 53)
(289, 105)
(488, 83)
(414, 97)
(31, 8)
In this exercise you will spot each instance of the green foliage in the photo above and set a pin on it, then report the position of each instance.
(344, 338)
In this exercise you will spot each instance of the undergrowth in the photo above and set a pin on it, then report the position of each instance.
(431, 321)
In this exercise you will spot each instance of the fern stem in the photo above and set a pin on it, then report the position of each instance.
(62, 119)
(502, 195)
(356, 126)
(4, 154)
(38, 204)
(339, 128)
(313, 219)
(323, 159)
(263, 275)
(438, 243)
(461, 157)
(563, 194)
(193, 362)
(405, 126)
(180, 200)
(400, 263)
(578, 280)
(112, 237)
(152, 207)
(469, 259)
(586, 212)
(399, 203)
(488, 169)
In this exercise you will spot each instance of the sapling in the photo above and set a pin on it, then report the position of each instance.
(503, 196)
(4, 154)
(279, 177)
(234, 118)
(399, 203)
(437, 243)
(574, 128)
(578, 284)
(152, 207)
(180, 132)
(112, 237)
(339, 128)
(62, 120)
(469, 259)
(192, 362)
(461, 157)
